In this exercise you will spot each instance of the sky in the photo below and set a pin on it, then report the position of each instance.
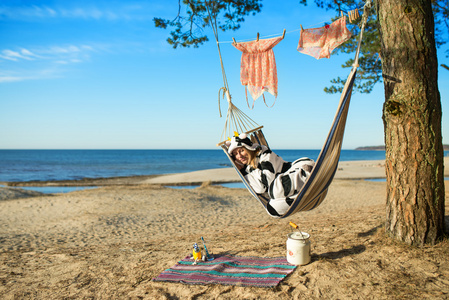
(78, 74)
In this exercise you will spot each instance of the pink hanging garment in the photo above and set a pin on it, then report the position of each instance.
(258, 67)
(320, 42)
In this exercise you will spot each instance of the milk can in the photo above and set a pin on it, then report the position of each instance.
(298, 248)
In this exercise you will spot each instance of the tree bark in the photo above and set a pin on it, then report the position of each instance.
(412, 121)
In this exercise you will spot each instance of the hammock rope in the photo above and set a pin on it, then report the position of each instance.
(316, 186)
(236, 120)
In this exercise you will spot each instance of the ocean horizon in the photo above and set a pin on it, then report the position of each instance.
(56, 165)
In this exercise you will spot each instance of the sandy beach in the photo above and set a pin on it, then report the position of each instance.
(109, 242)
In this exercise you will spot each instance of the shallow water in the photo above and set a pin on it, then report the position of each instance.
(45, 165)
(52, 165)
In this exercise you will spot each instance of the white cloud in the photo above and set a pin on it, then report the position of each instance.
(33, 72)
(62, 50)
(8, 57)
(108, 11)
(11, 78)
(17, 55)
(87, 47)
(70, 61)
(26, 52)
(41, 62)
(52, 53)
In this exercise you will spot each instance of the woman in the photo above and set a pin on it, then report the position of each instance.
(268, 174)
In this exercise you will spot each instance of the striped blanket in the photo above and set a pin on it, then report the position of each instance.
(230, 270)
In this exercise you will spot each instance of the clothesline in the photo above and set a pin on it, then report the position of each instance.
(234, 114)
(258, 68)
(272, 35)
(267, 36)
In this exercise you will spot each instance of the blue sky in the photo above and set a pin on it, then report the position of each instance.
(99, 75)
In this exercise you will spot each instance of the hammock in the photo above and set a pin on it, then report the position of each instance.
(316, 186)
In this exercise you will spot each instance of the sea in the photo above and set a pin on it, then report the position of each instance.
(53, 165)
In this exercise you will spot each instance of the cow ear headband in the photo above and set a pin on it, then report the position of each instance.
(241, 140)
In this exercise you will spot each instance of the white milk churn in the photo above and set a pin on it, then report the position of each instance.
(298, 248)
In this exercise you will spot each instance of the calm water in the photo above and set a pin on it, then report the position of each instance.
(26, 165)
(43, 165)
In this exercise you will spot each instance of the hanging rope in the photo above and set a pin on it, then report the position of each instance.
(315, 189)
(236, 120)
(366, 10)
(213, 24)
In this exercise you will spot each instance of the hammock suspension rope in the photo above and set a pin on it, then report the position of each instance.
(316, 186)
(236, 120)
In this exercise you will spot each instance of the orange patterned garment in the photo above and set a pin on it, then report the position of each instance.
(258, 66)
(320, 42)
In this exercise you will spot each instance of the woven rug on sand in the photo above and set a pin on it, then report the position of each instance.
(230, 270)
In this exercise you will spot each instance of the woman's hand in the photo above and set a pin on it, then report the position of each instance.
(239, 164)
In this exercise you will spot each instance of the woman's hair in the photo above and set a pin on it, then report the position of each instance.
(252, 157)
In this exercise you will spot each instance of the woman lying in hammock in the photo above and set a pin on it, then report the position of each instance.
(268, 174)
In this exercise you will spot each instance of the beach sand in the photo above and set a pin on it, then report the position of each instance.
(111, 241)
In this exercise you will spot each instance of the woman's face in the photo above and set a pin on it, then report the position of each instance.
(241, 155)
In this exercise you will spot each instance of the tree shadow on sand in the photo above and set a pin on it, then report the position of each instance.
(350, 251)
(369, 232)
(341, 253)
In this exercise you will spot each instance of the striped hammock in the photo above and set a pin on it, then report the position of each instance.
(315, 188)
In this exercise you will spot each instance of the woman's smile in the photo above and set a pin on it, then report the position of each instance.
(241, 155)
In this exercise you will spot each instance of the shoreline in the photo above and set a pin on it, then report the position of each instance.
(100, 181)
(371, 169)
(347, 170)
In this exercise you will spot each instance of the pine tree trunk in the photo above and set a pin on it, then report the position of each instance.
(412, 120)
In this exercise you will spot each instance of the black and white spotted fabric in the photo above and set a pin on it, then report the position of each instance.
(277, 179)
(241, 140)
